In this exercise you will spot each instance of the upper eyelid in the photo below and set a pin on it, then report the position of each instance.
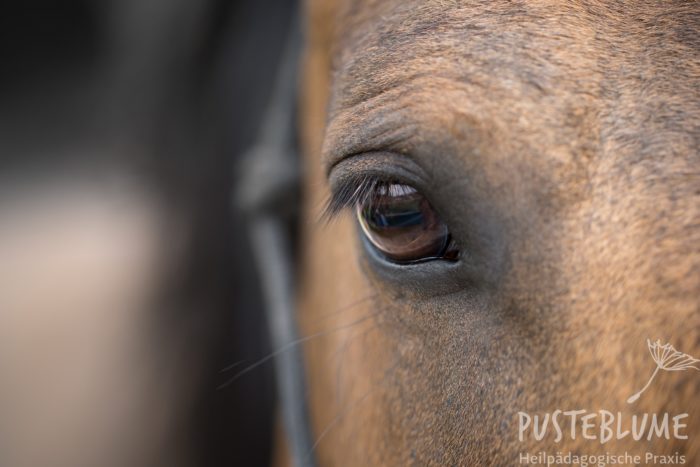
(352, 178)
(359, 189)
(349, 193)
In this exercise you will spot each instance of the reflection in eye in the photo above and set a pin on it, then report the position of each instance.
(400, 223)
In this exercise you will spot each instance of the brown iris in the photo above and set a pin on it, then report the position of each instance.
(403, 226)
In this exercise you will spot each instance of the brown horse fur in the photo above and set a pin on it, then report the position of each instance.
(559, 141)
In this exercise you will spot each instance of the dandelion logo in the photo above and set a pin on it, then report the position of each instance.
(666, 358)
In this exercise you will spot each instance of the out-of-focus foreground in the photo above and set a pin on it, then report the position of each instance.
(126, 284)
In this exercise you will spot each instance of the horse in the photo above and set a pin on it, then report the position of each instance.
(512, 199)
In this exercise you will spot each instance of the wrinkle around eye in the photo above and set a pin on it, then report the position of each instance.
(383, 137)
(380, 123)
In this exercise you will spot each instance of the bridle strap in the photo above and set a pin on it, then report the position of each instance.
(268, 194)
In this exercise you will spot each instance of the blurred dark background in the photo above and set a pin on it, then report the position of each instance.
(122, 125)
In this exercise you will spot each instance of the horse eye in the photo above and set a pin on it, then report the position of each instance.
(400, 223)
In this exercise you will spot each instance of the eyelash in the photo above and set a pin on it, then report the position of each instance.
(353, 191)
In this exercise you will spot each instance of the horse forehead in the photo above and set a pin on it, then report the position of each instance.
(385, 45)
(634, 68)
(363, 16)
(381, 41)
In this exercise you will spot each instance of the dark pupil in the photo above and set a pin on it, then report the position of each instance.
(400, 223)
